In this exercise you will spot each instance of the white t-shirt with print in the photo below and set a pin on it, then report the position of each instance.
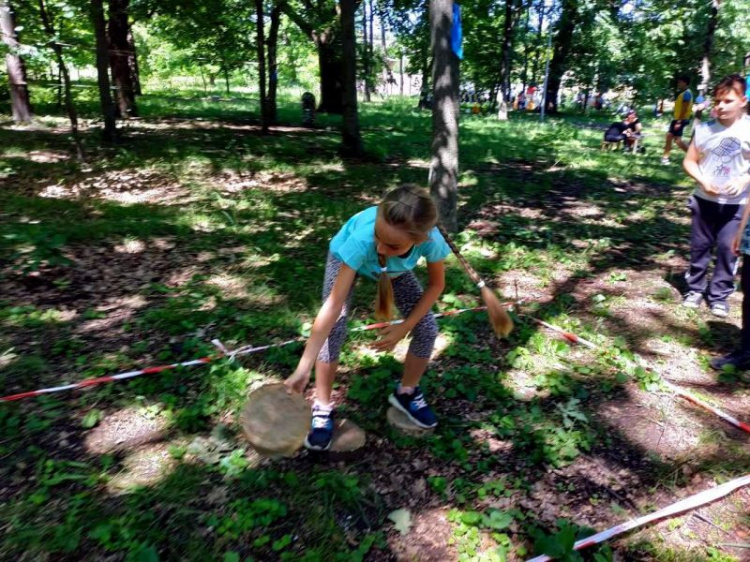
(723, 154)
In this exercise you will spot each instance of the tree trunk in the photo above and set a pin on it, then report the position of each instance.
(226, 80)
(331, 78)
(540, 30)
(102, 71)
(365, 53)
(401, 72)
(19, 90)
(350, 135)
(708, 45)
(135, 72)
(370, 46)
(120, 56)
(425, 89)
(444, 165)
(261, 46)
(562, 42)
(505, 51)
(525, 73)
(330, 62)
(49, 29)
(273, 72)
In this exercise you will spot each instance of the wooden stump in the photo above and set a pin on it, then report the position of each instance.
(348, 440)
(275, 423)
(399, 420)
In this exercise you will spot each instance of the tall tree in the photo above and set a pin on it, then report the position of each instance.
(49, 29)
(322, 25)
(443, 177)
(122, 58)
(350, 133)
(261, 45)
(102, 71)
(562, 43)
(365, 53)
(708, 44)
(273, 66)
(19, 90)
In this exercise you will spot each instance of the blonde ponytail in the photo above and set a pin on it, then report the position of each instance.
(384, 302)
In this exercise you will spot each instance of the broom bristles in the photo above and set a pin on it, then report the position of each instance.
(501, 321)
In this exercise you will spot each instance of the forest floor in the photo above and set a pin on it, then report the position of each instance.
(195, 227)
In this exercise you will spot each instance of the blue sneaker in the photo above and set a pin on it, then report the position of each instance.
(415, 407)
(321, 433)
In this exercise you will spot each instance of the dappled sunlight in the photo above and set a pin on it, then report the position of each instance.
(146, 466)
(127, 429)
(131, 246)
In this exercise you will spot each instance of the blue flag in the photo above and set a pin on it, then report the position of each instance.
(457, 33)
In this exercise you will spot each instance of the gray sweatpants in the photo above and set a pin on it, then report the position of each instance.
(406, 292)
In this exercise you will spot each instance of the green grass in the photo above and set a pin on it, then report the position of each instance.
(231, 245)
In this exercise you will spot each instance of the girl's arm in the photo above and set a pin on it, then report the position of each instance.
(391, 335)
(324, 321)
(690, 164)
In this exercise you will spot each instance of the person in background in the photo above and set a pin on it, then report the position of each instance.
(683, 106)
(718, 159)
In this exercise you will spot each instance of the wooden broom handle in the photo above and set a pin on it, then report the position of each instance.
(465, 264)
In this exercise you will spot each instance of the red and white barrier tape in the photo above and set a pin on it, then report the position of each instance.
(687, 504)
(675, 389)
(231, 354)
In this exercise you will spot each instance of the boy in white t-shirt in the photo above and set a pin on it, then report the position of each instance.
(718, 158)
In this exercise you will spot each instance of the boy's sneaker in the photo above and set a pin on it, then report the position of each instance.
(321, 433)
(665, 160)
(415, 407)
(720, 309)
(692, 300)
(739, 359)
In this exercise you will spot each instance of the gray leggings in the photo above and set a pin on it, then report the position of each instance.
(406, 292)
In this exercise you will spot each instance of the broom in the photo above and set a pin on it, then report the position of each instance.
(499, 317)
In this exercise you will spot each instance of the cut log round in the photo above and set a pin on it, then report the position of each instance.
(275, 423)
(399, 420)
(348, 439)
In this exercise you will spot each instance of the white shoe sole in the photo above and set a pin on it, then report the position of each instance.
(310, 447)
(396, 404)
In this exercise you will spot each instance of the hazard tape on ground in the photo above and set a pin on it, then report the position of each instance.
(681, 506)
(224, 353)
(677, 391)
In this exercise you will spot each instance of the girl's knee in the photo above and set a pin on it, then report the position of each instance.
(426, 332)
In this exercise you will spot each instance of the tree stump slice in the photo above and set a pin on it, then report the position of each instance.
(398, 420)
(274, 422)
(348, 440)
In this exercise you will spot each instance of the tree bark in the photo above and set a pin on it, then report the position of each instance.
(273, 72)
(330, 62)
(708, 44)
(562, 43)
(135, 72)
(366, 53)
(120, 58)
(350, 134)
(331, 78)
(261, 45)
(102, 71)
(19, 89)
(444, 165)
(505, 51)
(49, 29)
(540, 30)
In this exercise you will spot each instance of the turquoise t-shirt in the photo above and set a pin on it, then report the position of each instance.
(354, 244)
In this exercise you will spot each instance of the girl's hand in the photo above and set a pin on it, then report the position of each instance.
(297, 382)
(710, 188)
(389, 337)
(736, 186)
